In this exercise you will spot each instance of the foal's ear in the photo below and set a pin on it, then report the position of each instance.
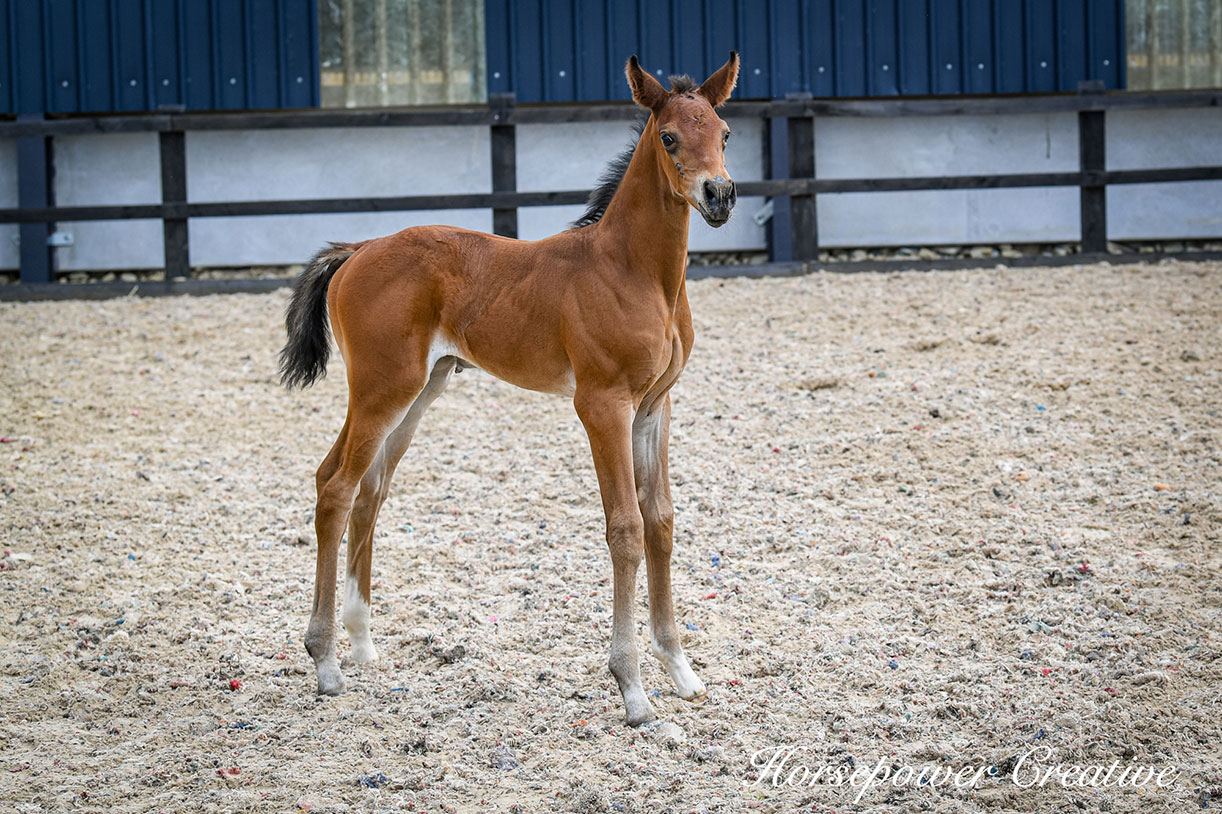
(646, 91)
(717, 87)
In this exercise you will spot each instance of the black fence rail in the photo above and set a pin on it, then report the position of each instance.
(793, 234)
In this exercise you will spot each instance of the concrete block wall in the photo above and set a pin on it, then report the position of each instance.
(284, 164)
(927, 146)
(1140, 139)
(10, 253)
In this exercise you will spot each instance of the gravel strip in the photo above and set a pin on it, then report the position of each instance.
(929, 519)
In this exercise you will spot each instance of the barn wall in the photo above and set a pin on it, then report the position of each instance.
(123, 168)
(125, 55)
(68, 56)
(558, 50)
(334, 163)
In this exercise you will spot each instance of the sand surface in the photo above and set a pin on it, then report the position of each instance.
(928, 519)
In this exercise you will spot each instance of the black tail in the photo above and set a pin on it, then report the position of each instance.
(304, 358)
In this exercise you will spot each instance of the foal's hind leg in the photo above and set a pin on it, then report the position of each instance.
(374, 488)
(370, 420)
(650, 437)
(365, 509)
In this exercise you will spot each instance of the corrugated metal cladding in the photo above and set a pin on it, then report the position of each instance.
(68, 56)
(561, 50)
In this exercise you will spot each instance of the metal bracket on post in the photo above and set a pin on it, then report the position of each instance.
(174, 191)
(1092, 155)
(35, 190)
(803, 223)
(504, 161)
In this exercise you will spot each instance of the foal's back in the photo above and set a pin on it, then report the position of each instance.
(456, 292)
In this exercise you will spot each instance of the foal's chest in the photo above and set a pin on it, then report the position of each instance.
(672, 353)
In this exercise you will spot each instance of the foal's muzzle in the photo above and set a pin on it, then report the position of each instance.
(718, 199)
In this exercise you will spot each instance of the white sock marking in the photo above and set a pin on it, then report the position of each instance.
(356, 622)
(686, 682)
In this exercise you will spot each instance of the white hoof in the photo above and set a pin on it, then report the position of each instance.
(666, 733)
(636, 705)
(689, 687)
(363, 652)
(699, 698)
(330, 679)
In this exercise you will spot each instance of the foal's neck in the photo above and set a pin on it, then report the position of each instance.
(647, 220)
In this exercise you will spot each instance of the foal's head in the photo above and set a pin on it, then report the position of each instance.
(692, 136)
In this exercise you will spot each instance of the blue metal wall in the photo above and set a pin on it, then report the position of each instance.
(564, 50)
(67, 56)
(64, 56)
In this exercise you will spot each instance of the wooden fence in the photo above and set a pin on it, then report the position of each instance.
(793, 237)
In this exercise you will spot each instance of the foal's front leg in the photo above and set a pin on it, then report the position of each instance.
(608, 423)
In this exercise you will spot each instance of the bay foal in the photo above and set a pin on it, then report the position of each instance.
(598, 313)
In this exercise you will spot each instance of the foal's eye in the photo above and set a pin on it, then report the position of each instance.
(668, 141)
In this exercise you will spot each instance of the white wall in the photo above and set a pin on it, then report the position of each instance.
(10, 252)
(1144, 139)
(254, 165)
(946, 145)
(331, 163)
(115, 168)
(285, 164)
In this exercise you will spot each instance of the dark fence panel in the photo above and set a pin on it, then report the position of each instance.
(77, 56)
(559, 51)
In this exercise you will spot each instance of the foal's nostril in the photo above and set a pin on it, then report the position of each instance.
(720, 195)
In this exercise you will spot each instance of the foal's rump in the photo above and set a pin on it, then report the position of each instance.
(313, 308)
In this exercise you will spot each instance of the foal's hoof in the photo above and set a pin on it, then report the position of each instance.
(332, 690)
(641, 716)
(665, 732)
(698, 699)
(330, 680)
(363, 652)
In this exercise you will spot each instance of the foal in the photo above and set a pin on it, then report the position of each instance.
(598, 313)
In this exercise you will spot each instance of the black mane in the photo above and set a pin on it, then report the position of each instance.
(608, 182)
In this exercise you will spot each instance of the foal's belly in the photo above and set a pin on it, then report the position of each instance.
(533, 372)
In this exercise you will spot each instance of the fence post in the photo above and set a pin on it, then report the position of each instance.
(803, 225)
(174, 190)
(504, 161)
(776, 160)
(35, 170)
(1092, 155)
